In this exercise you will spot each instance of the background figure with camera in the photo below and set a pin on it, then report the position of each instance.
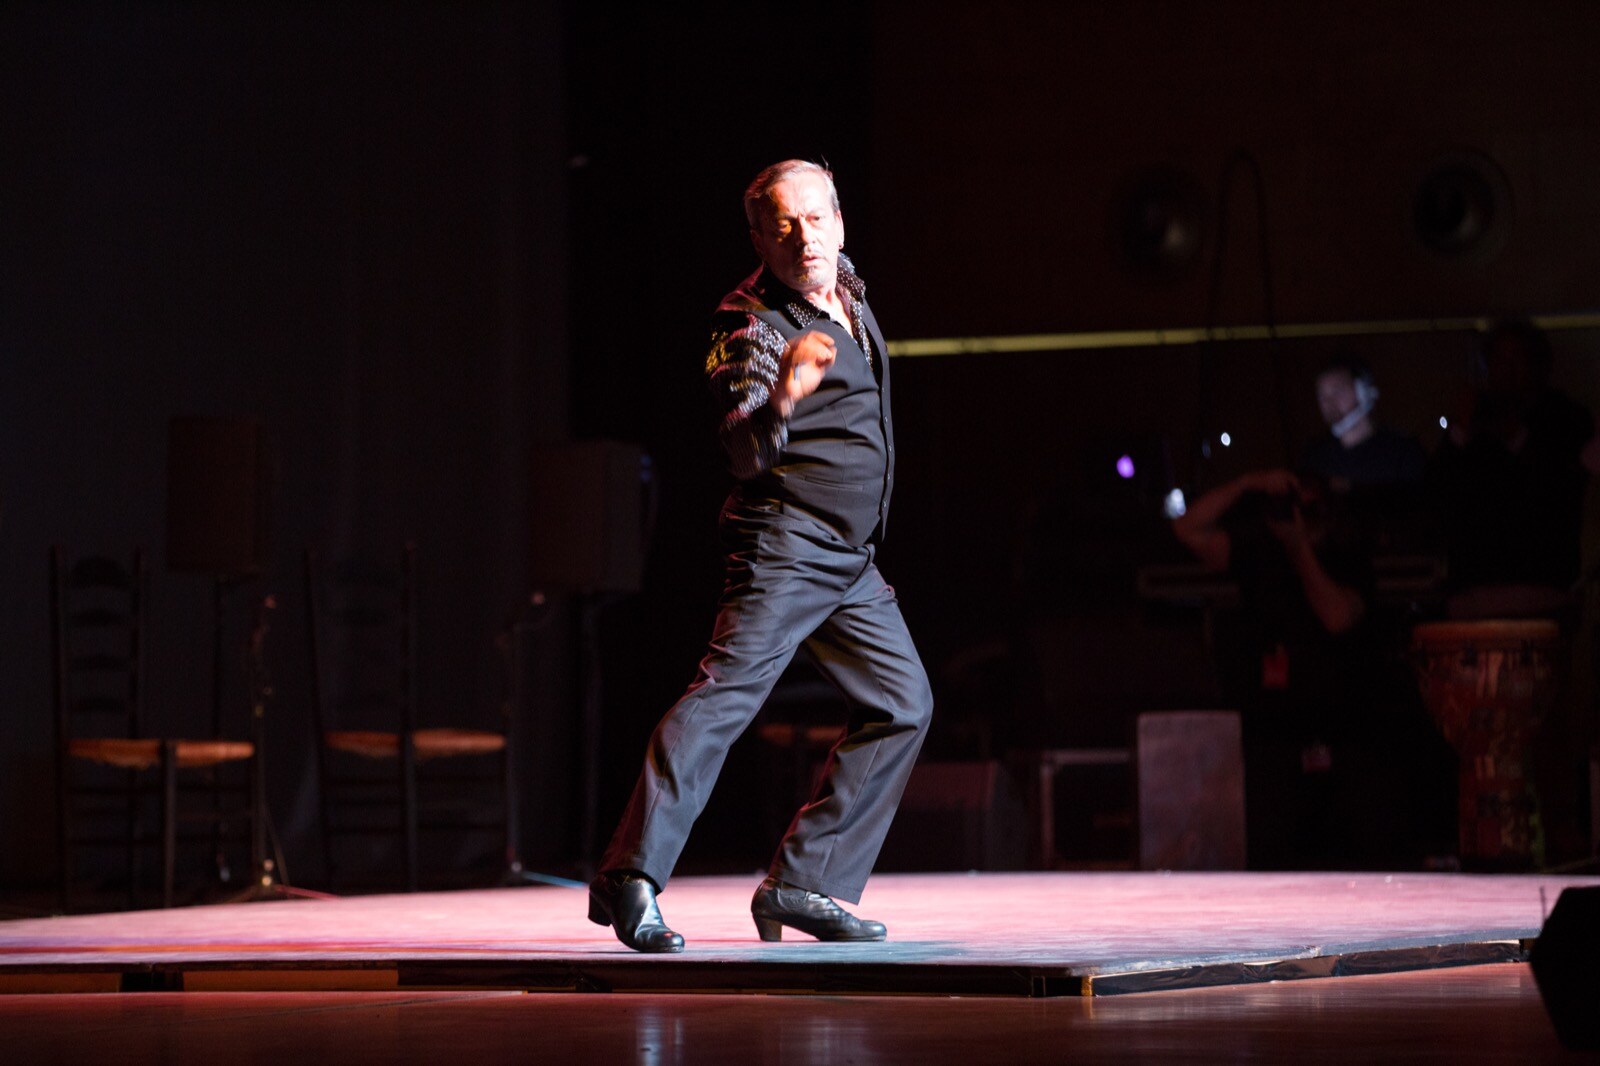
(1326, 737)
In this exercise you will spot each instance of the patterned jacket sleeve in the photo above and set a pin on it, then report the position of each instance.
(742, 367)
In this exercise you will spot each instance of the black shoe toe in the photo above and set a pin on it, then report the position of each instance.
(627, 903)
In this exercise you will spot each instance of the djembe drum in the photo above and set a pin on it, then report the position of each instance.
(1488, 685)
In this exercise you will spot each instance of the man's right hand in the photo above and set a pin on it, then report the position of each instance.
(805, 360)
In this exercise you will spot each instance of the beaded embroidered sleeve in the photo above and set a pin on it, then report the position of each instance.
(742, 366)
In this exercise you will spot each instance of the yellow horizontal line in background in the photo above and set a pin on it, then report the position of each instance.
(1150, 338)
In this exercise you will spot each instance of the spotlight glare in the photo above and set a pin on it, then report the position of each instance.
(1174, 505)
(1444, 423)
(1125, 467)
(1226, 440)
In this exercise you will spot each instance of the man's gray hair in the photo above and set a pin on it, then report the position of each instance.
(760, 190)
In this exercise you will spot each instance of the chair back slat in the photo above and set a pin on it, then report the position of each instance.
(99, 571)
(361, 621)
(97, 622)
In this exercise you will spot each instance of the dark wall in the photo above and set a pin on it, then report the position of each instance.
(1007, 140)
(1006, 134)
(982, 153)
(349, 222)
(355, 223)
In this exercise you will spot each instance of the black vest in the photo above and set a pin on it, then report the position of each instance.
(839, 463)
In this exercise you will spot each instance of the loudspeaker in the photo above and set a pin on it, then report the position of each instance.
(1461, 208)
(1566, 967)
(957, 816)
(218, 483)
(590, 504)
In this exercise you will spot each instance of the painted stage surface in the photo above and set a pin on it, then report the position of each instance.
(1036, 934)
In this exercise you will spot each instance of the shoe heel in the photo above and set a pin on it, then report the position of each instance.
(768, 929)
(597, 913)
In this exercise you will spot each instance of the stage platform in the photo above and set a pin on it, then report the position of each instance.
(999, 934)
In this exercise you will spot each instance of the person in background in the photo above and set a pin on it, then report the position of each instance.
(1358, 451)
(1371, 470)
(1508, 480)
(1327, 741)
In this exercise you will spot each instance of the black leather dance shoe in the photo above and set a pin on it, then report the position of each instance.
(777, 904)
(627, 903)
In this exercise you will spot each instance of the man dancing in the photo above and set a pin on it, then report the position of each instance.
(800, 371)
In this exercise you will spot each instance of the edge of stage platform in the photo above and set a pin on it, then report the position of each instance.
(680, 974)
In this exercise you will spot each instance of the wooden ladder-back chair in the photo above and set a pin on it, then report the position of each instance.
(103, 756)
(380, 772)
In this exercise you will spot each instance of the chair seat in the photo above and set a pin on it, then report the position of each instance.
(137, 753)
(428, 743)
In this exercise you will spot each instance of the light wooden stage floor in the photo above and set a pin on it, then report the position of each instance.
(1035, 935)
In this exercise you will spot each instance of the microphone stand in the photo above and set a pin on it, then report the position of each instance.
(269, 878)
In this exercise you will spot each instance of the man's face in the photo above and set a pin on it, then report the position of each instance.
(799, 234)
(1336, 395)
